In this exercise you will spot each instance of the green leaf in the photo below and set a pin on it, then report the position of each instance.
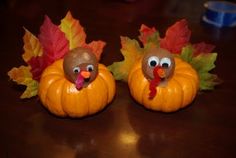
(203, 64)
(131, 52)
(31, 90)
(208, 81)
(187, 53)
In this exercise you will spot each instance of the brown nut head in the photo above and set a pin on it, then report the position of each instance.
(78, 60)
(158, 57)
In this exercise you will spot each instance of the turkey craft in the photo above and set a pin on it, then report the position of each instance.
(166, 73)
(63, 70)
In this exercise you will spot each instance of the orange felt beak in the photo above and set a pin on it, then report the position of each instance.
(85, 74)
(161, 73)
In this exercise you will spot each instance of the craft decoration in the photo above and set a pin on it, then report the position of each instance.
(64, 71)
(165, 74)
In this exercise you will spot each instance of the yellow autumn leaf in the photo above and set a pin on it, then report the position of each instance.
(23, 76)
(31, 89)
(32, 46)
(131, 52)
(74, 32)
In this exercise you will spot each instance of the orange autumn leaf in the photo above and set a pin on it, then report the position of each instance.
(74, 32)
(20, 75)
(32, 46)
(149, 36)
(23, 76)
(131, 52)
(96, 47)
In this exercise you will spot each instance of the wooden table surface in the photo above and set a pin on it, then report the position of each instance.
(206, 128)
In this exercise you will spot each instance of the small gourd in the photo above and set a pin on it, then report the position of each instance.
(77, 85)
(162, 82)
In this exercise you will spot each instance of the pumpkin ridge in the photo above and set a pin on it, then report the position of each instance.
(46, 83)
(134, 69)
(186, 74)
(48, 88)
(189, 77)
(190, 84)
(181, 65)
(143, 91)
(52, 75)
(49, 73)
(62, 105)
(133, 79)
(104, 82)
(101, 102)
(54, 69)
(130, 79)
(109, 81)
(194, 88)
(102, 67)
(182, 91)
(52, 107)
(191, 73)
(173, 90)
(88, 101)
(107, 92)
(73, 105)
(64, 82)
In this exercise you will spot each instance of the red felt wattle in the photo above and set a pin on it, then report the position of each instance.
(176, 37)
(79, 81)
(154, 83)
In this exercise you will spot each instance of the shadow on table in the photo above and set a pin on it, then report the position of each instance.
(65, 137)
(176, 134)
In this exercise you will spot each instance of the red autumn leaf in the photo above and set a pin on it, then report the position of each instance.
(37, 65)
(176, 37)
(145, 33)
(53, 40)
(202, 47)
(54, 44)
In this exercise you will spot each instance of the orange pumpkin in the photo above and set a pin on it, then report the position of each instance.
(61, 97)
(179, 92)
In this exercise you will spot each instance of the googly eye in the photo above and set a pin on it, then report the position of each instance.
(165, 62)
(153, 61)
(90, 68)
(76, 70)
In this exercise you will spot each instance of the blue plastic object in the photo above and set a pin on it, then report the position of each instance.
(220, 13)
